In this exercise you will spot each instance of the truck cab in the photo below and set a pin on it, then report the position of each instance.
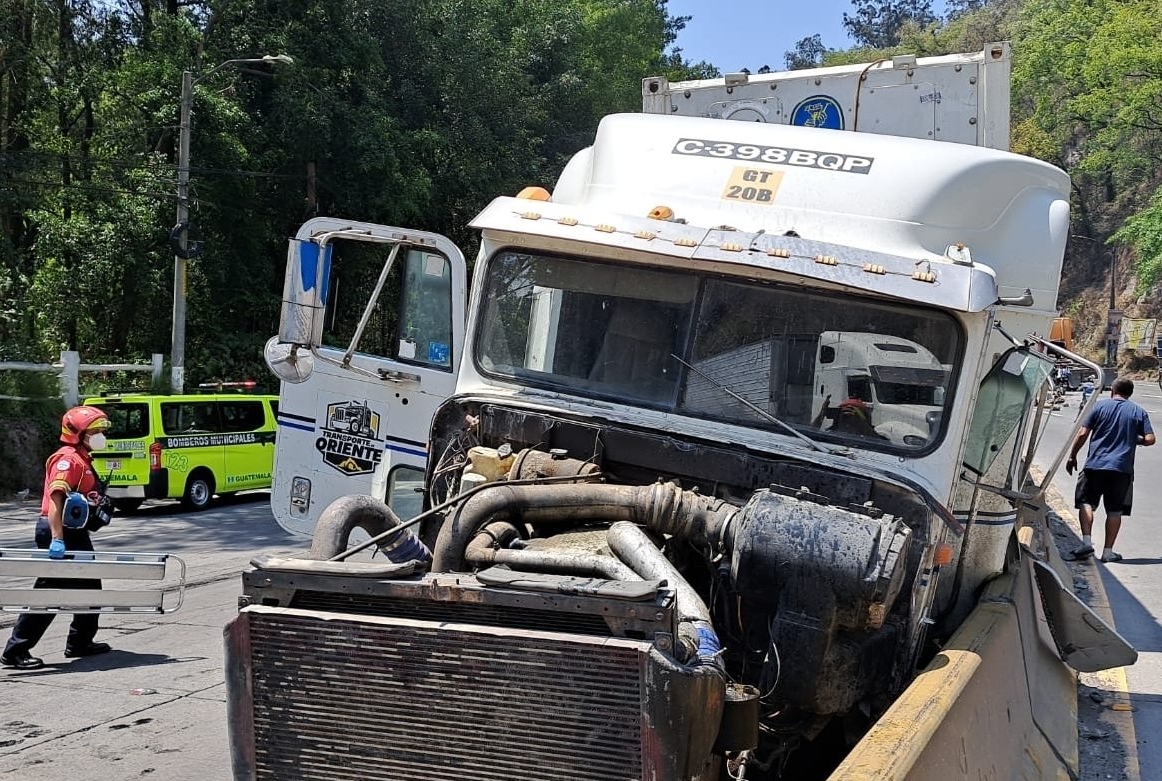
(642, 554)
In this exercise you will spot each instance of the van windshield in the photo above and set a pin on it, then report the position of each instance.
(831, 364)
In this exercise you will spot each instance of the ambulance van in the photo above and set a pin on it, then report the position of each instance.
(187, 447)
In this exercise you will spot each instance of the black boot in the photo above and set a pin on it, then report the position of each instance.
(21, 661)
(89, 649)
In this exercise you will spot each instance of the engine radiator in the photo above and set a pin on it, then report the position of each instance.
(316, 695)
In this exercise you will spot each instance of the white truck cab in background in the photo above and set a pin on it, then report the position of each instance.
(899, 380)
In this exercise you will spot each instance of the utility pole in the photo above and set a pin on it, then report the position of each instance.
(1114, 319)
(178, 340)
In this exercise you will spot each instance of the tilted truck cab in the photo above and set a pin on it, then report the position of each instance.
(640, 556)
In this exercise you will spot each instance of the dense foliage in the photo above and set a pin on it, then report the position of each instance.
(410, 113)
(417, 113)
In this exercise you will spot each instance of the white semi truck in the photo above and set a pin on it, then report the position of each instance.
(639, 556)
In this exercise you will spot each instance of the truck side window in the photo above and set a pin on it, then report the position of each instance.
(859, 388)
(425, 319)
(1005, 393)
(405, 487)
(411, 317)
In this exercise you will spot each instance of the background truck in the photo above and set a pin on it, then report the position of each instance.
(639, 557)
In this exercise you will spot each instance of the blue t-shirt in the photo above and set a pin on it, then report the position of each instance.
(1114, 426)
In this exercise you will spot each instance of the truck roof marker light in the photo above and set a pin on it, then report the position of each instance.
(661, 213)
(943, 555)
(776, 252)
(959, 254)
(874, 268)
(645, 235)
(683, 241)
(604, 228)
(530, 215)
(569, 221)
(925, 274)
(534, 194)
(730, 247)
(826, 260)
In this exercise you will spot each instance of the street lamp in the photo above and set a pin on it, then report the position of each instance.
(178, 343)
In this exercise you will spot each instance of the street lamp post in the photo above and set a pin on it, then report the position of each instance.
(178, 343)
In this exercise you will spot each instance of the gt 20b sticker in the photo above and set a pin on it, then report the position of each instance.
(752, 185)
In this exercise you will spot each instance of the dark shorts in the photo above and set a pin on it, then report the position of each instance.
(1114, 490)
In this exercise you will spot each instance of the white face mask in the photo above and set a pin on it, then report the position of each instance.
(96, 441)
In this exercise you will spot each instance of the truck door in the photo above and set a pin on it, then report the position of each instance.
(372, 333)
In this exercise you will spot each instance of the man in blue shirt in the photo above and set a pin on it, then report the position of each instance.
(1118, 426)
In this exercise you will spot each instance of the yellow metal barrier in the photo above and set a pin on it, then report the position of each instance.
(995, 703)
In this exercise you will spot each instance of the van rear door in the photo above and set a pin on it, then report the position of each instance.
(248, 449)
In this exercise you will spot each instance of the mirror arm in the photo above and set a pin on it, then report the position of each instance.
(371, 302)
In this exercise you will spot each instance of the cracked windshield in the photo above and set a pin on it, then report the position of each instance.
(832, 365)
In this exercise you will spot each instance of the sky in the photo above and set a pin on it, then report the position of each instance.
(737, 34)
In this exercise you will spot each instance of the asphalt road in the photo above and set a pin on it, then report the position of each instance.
(154, 707)
(1132, 589)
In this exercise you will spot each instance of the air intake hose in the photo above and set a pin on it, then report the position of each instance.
(347, 513)
(662, 507)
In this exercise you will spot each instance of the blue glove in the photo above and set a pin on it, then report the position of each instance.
(56, 550)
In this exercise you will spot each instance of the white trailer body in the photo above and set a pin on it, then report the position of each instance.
(963, 98)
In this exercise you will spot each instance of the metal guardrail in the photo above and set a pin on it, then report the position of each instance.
(89, 565)
(70, 367)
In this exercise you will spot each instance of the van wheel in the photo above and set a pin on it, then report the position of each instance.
(199, 491)
(127, 505)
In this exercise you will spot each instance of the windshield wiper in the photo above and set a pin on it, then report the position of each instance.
(752, 407)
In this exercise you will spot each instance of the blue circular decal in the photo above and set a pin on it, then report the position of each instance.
(818, 111)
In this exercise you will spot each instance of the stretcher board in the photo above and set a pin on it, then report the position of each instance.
(87, 565)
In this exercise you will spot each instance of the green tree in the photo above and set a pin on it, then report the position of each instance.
(877, 24)
(808, 53)
(1090, 75)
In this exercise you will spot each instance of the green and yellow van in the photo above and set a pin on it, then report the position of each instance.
(187, 447)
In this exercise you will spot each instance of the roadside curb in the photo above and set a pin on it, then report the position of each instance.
(1104, 697)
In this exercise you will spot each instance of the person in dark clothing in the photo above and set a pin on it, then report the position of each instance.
(1117, 427)
(68, 470)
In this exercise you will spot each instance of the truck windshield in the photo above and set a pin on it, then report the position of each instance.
(829, 363)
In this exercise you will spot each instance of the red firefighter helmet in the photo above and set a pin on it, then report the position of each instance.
(78, 420)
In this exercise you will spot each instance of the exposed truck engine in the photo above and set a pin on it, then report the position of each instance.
(656, 543)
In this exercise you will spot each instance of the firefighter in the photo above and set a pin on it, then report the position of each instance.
(68, 473)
